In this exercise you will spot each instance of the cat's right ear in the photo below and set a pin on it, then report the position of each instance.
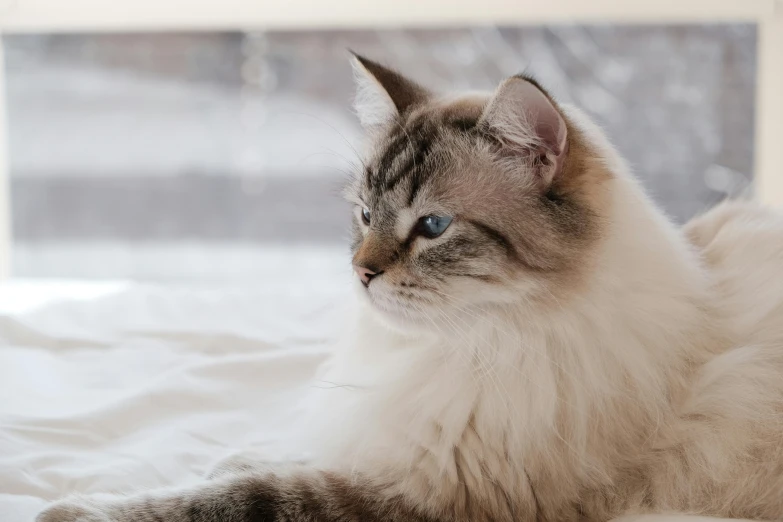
(382, 94)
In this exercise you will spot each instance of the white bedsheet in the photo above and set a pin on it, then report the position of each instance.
(115, 386)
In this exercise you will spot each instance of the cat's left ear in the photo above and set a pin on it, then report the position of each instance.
(528, 124)
(383, 94)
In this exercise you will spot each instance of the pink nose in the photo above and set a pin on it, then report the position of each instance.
(365, 274)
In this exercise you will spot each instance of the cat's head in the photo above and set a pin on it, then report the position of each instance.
(469, 201)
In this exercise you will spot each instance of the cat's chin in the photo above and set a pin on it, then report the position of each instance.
(398, 317)
(395, 316)
(400, 322)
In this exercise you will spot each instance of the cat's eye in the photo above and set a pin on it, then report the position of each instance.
(433, 226)
(366, 216)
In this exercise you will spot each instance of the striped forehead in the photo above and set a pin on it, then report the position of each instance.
(406, 158)
(402, 164)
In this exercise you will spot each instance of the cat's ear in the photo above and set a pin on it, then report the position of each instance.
(383, 94)
(527, 124)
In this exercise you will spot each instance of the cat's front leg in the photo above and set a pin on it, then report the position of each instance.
(296, 495)
(73, 510)
(252, 461)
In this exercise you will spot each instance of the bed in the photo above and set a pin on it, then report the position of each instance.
(116, 386)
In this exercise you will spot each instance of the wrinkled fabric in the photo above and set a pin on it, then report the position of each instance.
(116, 387)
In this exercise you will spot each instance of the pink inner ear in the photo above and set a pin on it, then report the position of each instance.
(526, 120)
(549, 125)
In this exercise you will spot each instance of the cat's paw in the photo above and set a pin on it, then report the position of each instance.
(243, 462)
(71, 511)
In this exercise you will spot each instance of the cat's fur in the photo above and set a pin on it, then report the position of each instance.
(562, 352)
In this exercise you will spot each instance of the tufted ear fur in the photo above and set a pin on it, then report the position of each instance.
(527, 124)
(383, 94)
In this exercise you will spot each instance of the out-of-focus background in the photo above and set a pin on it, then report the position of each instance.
(184, 155)
(177, 155)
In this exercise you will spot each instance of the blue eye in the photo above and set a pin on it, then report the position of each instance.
(433, 226)
(366, 216)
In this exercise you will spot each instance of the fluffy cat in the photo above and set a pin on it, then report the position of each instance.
(534, 339)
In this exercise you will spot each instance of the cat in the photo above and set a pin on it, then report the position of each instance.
(533, 339)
